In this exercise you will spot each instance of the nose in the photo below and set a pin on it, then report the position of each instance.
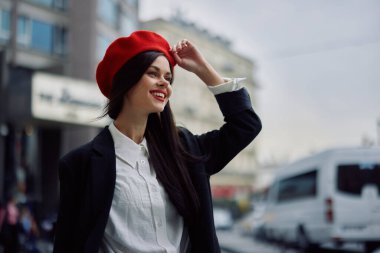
(163, 83)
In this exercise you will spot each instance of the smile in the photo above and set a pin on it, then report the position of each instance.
(159, 95)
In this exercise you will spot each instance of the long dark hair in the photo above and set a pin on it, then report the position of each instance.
(166, 153)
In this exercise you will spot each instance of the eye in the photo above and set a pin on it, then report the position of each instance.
(168, 78)
(152, 74)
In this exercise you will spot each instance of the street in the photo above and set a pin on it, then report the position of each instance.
(232, 241)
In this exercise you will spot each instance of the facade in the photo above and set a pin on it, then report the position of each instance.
(194, 106)
(49, 98)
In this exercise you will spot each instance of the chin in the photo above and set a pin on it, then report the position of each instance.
(158, 110)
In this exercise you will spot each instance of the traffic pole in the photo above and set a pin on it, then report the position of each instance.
(3, 112)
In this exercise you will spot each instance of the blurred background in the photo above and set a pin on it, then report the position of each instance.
(311, 68)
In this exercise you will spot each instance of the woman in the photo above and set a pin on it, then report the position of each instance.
(142, 185)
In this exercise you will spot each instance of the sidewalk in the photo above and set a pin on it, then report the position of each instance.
(231, 241)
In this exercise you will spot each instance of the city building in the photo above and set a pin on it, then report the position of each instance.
(195, 107)
(49, 99)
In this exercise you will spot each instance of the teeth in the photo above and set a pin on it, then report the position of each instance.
(158, 94)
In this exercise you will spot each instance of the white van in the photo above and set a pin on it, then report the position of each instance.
(330, 197)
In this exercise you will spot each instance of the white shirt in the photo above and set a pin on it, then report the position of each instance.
(142, 218)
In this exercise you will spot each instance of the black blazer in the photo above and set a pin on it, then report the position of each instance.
(87, 178)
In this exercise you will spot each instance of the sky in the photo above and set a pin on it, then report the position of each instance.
(317, 64)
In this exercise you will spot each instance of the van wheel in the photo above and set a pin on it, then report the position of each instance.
(304, 244)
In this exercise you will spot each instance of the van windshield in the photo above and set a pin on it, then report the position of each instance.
(351, 178)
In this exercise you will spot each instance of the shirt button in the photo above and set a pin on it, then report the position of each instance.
(142, 162)
(159, 223)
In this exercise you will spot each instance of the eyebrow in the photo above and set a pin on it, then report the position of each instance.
(158, 69)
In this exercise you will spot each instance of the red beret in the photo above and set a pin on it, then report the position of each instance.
(123, 49)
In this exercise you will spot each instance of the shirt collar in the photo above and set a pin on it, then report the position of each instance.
(126, 148)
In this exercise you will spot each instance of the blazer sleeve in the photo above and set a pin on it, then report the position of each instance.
(241, 126)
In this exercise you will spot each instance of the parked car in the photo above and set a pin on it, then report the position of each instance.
(330, 197)
(248, 223)
(223, 219)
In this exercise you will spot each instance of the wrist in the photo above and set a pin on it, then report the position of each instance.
(209, 75)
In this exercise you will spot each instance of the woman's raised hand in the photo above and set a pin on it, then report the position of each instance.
(190, 58)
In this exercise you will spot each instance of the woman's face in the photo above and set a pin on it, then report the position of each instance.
(152, 91)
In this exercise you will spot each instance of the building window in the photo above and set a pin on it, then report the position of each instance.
(23, 31)
(60, 39)
(48, 3)
(61, 4)
(55, 4)
(41, 36)
(102, 44)
(108, 11)
(4, 24)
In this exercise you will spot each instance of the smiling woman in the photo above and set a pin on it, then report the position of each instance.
(152, 91)
(142, 185)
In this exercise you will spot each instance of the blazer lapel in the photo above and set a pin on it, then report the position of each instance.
(100, 188)
(103, 172)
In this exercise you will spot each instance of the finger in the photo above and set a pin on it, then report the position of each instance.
(175, 48)
(176, 57)
(179, 45)
(184, 42)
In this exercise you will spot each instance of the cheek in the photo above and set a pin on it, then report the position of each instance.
(135, 92)
(170, 91)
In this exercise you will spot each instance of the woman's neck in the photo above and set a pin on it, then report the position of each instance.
(132, 126)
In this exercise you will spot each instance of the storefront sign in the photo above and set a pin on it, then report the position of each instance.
(66, 99)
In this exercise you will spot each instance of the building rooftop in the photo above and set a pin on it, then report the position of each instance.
(179, 20)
